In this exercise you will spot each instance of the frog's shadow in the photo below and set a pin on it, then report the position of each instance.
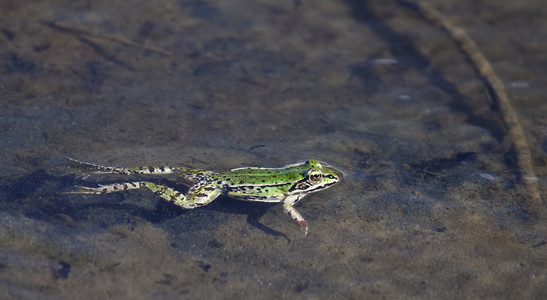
(165, 210)
(254, 211)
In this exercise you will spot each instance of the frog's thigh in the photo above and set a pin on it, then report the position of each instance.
(198, 195)
(202, 194)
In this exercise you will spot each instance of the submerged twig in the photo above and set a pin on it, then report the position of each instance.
(515, 134)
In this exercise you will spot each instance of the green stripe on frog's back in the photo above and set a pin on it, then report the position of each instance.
(262, 176)
(290, 172)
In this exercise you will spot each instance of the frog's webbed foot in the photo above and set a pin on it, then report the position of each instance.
(289, 209)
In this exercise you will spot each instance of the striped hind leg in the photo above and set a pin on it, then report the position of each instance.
(117, 170)
(110, 188)
(198, 195)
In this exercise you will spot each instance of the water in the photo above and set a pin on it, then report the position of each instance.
(431, 205)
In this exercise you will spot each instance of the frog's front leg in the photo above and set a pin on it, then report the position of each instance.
(289, 209)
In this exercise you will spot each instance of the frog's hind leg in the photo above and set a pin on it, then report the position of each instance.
(117, 170)
(200, 194)
(110, 188)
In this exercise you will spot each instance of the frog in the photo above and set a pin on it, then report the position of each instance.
(287, 184)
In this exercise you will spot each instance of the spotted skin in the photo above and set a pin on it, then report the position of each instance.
(288, 184)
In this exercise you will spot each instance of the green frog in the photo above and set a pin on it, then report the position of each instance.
(288, 184)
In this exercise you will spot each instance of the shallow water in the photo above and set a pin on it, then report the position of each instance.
(432, 204)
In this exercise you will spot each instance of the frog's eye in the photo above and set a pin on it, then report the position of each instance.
(315, 176)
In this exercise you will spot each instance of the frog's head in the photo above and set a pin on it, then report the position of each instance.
(317, 176)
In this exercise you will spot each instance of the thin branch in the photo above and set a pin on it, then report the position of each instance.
(515, 134)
